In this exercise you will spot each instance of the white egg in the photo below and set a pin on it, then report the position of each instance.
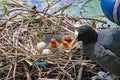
(46, 51)
(40, 46)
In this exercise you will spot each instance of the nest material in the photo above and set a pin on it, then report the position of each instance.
(18, 53)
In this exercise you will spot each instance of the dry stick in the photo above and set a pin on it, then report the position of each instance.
(21, 5)
(9, 72)
(4, 68)
(19, 9)
(23, 51)
(27, 72)
(68, 21)
(11, 17)
(67, 29)
(80, 72)
(77, 18)
(14, 70)
(74, 68)
(50, 71)
(66, 64)
(16, 35)
(50, 5)
(53, 22)
(68, 75)
(81, 69)
(62, 8)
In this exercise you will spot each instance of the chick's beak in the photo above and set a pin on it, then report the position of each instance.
(75, 38)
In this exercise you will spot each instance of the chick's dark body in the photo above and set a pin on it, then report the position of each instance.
(102, 47)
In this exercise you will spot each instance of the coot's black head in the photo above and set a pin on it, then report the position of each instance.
(86, 34)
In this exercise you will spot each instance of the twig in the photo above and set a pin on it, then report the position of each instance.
(66, 64)
(80, 72)
(19, 9)
(27, 72)
(68, 75)
(14, 70)
(15, 36)
(77, 18)
(67, 29)
(11, 17)
(68, 21)
(21, 5)
(9, 72)
(53, 22)
(50, 5)
(63, 8)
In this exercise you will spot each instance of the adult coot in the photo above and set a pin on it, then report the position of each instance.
(102, 47)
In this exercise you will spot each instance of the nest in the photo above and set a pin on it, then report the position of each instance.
(18, 54)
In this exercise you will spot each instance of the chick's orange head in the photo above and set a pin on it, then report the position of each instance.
(68, 39)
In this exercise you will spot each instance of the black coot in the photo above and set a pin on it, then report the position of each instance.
(102, 47)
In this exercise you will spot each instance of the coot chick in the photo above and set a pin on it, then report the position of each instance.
(102, 47)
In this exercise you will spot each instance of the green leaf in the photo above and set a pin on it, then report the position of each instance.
(5, 9)
(91, 9)
(3, 1)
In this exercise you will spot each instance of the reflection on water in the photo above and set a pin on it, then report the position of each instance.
(74, 9)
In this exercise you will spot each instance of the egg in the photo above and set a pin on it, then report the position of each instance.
(108, 8)
(46, 51)
(40, 46)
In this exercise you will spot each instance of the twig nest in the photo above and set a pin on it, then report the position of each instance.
(46, 51)
(111, 9)
(40, 46)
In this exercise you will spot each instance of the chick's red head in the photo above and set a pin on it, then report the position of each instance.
(68, 39)
(65, 44)
(53, 41)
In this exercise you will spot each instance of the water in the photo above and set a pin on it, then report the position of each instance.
(73, 10)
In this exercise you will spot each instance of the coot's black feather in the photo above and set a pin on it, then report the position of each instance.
(110, 39)
(102, 47)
